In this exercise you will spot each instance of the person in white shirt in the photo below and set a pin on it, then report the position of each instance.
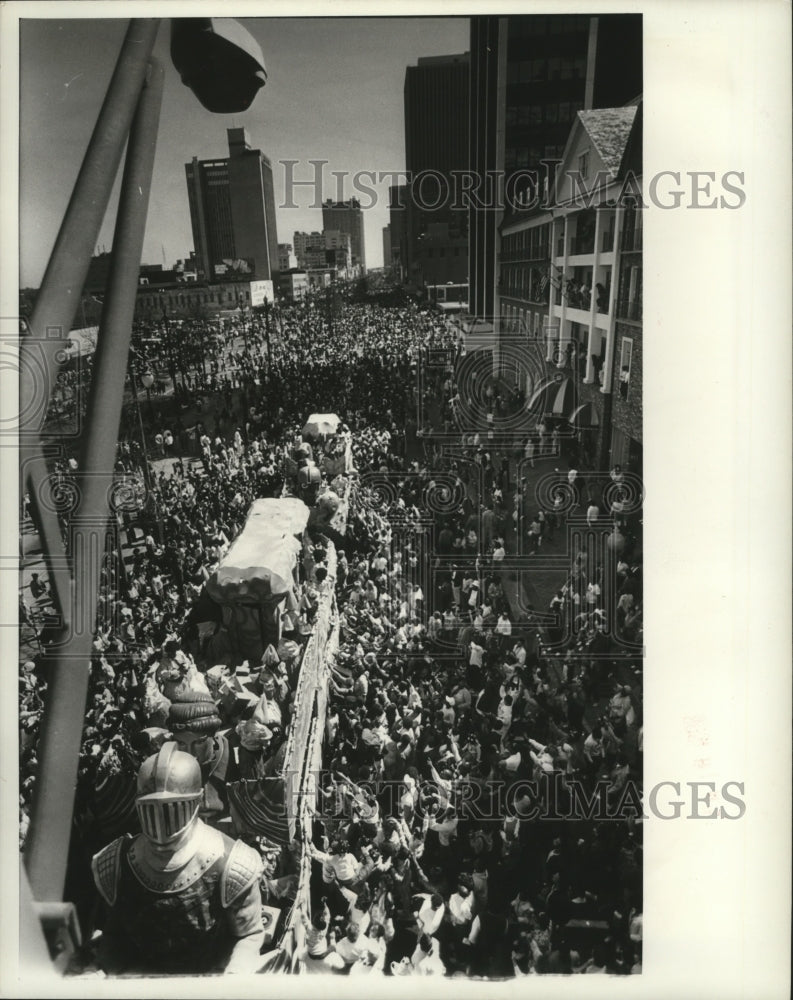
(504, 715)
(373, 960)
(592, 594)
(360, 902)
(592, 513)
(446, 827)
(426, 960)
(541, 756)
(337, 865)
(461, 909)
(354, 946)
(430, 916)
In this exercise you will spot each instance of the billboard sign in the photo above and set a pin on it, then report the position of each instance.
(261, 290)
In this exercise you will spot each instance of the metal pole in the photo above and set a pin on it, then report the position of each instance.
(66, 272)
(146, 474)
(63, 720)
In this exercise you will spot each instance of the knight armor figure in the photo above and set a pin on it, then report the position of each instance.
(181, 897)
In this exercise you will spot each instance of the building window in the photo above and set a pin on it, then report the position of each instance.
(552, 113)
(538, 70)
(511, 116)
(626, 354)
(535, 114)
(564, 111)
(583, 164)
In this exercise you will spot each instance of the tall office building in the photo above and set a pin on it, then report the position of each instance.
(436, 148)
(530, 75)
(397, 200)
(347, 217)
(232, 211)
(387, 246)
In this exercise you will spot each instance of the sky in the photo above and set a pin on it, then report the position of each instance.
(334, 92)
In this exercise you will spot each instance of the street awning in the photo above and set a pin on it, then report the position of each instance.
(556, 398)
(585, 416)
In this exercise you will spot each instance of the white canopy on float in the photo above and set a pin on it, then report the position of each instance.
(321, 425)
(260, 566)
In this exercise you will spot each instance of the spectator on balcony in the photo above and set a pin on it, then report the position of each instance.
(602, 295)
(625, 378)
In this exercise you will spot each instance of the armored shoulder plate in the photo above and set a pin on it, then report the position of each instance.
(106, 866)
(243, 867)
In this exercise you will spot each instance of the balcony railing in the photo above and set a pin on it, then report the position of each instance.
(577, 299)
(582, 245)
(525, 254)
(533, 293)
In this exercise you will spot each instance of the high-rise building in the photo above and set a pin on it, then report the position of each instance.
(530, 75)
(347, 217)
(287, 259)
(436, 152)
(232, 211)
(397, 200)
(328, 250)
(387, 246)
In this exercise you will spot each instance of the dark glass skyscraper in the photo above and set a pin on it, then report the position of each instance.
(232, 209)
(530, 76)
(436, 147)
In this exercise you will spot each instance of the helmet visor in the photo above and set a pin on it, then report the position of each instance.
(162, 820)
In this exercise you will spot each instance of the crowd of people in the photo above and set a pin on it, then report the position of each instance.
(460, 737)
(451, 727)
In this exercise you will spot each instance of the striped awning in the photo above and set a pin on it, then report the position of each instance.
(556, 397)
(584, 416)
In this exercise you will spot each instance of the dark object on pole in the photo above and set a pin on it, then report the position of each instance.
(129, 115)
(219, 60)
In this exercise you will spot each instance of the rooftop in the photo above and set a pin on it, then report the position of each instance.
(609, 130)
